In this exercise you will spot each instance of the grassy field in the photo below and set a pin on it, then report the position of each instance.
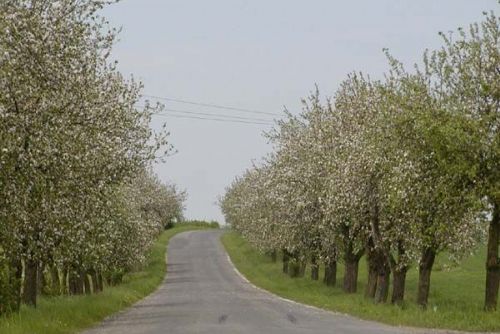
(71, 314)
(455, 302)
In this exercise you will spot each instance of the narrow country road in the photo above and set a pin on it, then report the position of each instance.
(203, 294)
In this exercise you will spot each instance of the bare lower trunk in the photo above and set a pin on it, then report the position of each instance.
(351, 276)
(424, 276)
(315, 273)
(95, 285)
(398, 285)
(383, 279)
(30, 282)
(107, 278)
(54, 280)
(86, 283)
(330, 278)
(302, 268)
(64, 281)
(351, 264)
(380, 257)
(371, 284)
(72, 283)
(15, 282)
(81, 282)
(372, 263)
(75, 282)
(41, 281)
(493, 261)
(286, 261)
(100, 282)
(294, 268)
(314, 269)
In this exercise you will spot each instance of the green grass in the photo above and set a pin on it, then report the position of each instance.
(71, 314)
(455, 302)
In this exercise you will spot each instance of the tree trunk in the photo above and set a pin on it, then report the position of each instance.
(383, 276)
(64, 281)
(81, 281)
(351, 275)
(107, 278)
(302, 268)
(286, 261)
(383, 279)
(371, 284)
(398, 285)
(380, 261)
(424, 276)
(41, 281)
(54, 280)
(493, 261)
(75, 282)
(294, 268)
(314, 269)
(72, 284)
(95, 285)
(15, 282)
(351, 263)
(86, 282)
(30, 282)
(330, 278)
(372, 264)
(100, 282)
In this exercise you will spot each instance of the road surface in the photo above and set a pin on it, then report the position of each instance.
(203, 293)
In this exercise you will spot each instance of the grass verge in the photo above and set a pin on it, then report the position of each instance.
(57, 315)
(455, 302)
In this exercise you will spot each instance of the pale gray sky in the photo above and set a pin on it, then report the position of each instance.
(261, 55)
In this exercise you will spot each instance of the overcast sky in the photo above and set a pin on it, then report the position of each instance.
(260, 55)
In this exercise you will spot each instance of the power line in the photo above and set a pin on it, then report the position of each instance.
(211, 105)
(209, 119)
(269, 121)
(219, 115)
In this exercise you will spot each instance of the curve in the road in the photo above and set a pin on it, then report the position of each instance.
(202, 293)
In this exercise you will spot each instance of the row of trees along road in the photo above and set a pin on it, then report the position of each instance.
(78, 203)
(397, 170)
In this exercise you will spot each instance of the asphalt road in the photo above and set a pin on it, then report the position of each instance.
(203, 293)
